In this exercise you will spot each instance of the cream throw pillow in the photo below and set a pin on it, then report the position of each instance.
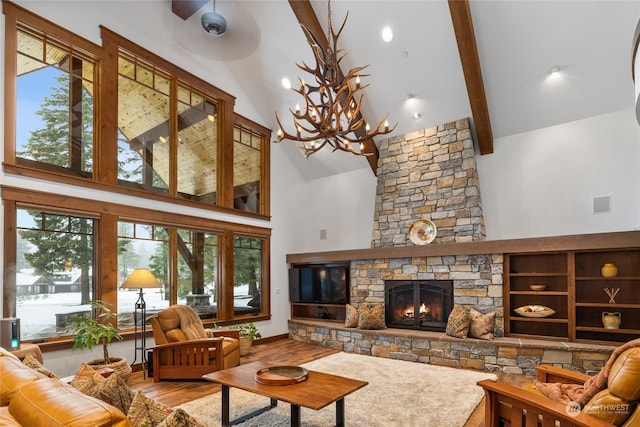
(481, 325)
(371, 318)
(351, 318)
(458, 323)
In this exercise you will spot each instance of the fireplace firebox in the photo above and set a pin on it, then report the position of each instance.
(418, 304)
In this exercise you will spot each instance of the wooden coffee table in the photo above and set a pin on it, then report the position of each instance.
(316, 392)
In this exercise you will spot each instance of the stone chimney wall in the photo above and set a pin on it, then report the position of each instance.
(428, 174)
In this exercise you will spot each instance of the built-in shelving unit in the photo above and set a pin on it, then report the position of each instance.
(576, 291)
(524, 270)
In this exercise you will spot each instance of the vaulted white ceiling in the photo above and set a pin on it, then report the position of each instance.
(518, 43)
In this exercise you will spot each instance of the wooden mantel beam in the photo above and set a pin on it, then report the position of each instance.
(307, 18)
(468, 50)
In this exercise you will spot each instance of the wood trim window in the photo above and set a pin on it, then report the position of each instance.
(93, 143)
(219, 268)
(168, 135)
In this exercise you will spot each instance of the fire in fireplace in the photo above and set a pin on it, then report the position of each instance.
(418, 304)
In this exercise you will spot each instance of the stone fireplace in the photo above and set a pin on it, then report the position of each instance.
(418, 304)
(431, 174)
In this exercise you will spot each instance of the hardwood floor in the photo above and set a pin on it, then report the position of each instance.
(173, 393)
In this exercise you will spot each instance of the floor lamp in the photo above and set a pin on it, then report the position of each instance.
(140, 278)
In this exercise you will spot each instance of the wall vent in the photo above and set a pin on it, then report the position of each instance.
(601, 204)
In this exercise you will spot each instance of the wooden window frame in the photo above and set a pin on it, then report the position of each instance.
(108, 215)
(105, 146)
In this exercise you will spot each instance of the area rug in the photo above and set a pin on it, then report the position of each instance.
(400, 393)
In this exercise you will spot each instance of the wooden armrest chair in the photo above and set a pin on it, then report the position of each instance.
(616, 405)
(176, 356)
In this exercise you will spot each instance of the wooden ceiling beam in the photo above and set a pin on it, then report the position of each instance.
(468, 50)
(307, 18)
(185, 8)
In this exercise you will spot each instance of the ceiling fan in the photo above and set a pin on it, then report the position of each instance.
(214, 23)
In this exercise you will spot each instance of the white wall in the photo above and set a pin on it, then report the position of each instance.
(535, 184)
(542, 183)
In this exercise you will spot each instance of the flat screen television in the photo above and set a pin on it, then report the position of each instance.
(326, 283)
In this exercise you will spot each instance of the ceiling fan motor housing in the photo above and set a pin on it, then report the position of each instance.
(214, 23)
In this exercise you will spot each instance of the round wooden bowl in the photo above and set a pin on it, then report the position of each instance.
(538, 287)
(281, 375)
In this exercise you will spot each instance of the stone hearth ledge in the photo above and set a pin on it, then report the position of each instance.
(504, 354)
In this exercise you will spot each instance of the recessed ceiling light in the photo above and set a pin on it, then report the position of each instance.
(286, 83)
(387, 34)
(416, 115)
(410, 96)
(554, 70)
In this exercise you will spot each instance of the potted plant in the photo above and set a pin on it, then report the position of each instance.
(248, 332)
(101, 330)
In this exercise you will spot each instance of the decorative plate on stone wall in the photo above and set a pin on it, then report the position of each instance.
(422, 232)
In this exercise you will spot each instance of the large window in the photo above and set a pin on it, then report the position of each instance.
(142, 246)
(121, 115)
(55, 104)
(247, 274)
(54, 271)
(119, 119)
(143, 124)
(247, 168)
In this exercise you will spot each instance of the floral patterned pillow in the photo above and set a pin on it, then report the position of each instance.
(34, 363)
(371, 318)
(351, 319)
(87, 380)
(458, 323)
(481, 325)
(180, 418)
(115, 392)
(147, 412)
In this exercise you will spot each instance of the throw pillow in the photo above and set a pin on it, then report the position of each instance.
(180, 418)
(458, 323)
(351, 319)
(147, 412)
(87, 380)
(34, 363)
(371, 318)
(115, 392)
(481, 325)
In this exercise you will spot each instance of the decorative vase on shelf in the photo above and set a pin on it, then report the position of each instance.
(611, 320)
(609, 270)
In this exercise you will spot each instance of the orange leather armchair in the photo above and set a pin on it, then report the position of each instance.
(186, 350)
(616, 405)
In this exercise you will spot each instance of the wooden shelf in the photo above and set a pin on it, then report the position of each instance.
(606, 331)
(536, 274)
(583, 242)
(575, 289)
(540, 319)
(539, 293)
(316, 311)
(606, 305)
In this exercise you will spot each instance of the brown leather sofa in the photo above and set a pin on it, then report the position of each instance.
(29, 398)
(616, 405)
(176, 355)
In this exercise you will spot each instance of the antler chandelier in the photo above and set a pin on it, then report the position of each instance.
(331, 113)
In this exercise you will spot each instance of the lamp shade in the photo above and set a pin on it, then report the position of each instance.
(141, 278)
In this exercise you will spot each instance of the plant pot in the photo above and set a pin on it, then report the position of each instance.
(245, 345)
(118, 364)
